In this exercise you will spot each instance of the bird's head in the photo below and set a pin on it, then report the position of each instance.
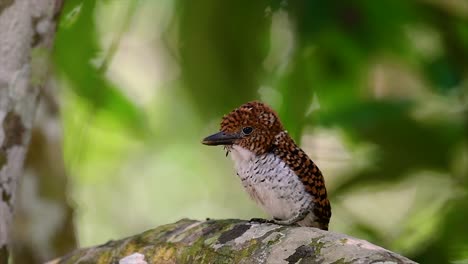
(252, 126)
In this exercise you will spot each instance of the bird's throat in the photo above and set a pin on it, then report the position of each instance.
(241, 155)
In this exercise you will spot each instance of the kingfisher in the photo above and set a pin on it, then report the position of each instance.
(277, 174)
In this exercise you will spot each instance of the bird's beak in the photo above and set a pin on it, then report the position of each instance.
(221, 138)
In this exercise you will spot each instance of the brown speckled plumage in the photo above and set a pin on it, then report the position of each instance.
(259, 116)
(268, 138)
(308, 172)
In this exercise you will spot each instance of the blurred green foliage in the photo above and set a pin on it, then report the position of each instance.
(390, 76)
(77, 47)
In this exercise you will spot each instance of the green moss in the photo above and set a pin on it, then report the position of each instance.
(202, 251)
(198, 252)
(104, 257)
(166, 254)
(343, 240)
(248, 251)
(317, 244)
(160, 233)
(210, 241)
(274, 240)
(230, 255)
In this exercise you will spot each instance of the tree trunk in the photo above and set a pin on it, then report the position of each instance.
(233, 241)
(43, 225)
(27, 28)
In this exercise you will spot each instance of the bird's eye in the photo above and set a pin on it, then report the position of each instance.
(247, 130)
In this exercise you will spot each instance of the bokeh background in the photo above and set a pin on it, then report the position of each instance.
(376, 92)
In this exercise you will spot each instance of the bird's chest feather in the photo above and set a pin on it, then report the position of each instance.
(270, 182)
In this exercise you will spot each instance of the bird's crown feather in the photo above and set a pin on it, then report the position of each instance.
(256, 122)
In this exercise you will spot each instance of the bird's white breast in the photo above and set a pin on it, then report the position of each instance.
(271, 183)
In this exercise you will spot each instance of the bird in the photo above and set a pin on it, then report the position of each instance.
(277, 174)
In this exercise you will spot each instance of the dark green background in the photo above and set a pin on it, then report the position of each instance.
(390, 77)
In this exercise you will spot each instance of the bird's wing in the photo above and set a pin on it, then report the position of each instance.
(309, 173)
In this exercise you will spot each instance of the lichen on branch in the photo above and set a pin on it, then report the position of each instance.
(234, 241)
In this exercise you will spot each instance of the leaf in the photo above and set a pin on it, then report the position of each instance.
(404, 144)
(76, 49)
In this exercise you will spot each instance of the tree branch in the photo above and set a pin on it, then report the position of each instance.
(27, 29)
(233, 241)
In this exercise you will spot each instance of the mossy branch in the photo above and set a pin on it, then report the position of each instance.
(233, 241)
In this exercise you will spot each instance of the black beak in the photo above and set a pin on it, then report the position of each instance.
(220, 138)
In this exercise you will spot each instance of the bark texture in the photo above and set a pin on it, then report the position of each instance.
(234, 241)
(43, 226)
(27, 28)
